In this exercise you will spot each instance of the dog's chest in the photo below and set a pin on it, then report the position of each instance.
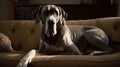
(56, 40)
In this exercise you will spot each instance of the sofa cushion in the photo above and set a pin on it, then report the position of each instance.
(13, 58)
(111, 26)
(111, 60)
(5, 43)
(24, 34)
(10, 59)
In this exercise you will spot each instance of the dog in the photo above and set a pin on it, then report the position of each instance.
(56, 32)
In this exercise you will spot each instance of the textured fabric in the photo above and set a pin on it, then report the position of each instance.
(25, 35)
(5, 43)
(112, 60)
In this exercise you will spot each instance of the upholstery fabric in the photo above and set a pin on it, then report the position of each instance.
(25, 35)
(5, 43)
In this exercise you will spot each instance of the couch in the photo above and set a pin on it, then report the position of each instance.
(25, 35)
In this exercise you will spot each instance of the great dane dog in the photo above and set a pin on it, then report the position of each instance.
(55, 32)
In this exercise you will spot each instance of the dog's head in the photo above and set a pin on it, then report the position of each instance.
(52, 18)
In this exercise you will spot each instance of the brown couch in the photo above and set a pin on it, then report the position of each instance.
(25, 34)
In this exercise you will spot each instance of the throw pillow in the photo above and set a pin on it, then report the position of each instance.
(5, 43)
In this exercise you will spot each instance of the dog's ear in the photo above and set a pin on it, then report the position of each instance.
(64, 14)
(37, 14)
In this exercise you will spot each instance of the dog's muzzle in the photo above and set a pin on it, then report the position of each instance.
(51, 28)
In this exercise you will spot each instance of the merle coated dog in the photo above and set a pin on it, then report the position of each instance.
(55, 32)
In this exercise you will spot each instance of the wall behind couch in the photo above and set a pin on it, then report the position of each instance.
(55, 1)
(71, 2)
(119, 8)
(3, 9)
(4, 5)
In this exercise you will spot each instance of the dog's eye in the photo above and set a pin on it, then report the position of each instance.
(45, 13)
(49, 12)
(53, 12)
(56, 12)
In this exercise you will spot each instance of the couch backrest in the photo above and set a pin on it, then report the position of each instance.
(25, 34)
(110, 25)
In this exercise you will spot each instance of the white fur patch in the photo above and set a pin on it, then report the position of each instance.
(27, 58)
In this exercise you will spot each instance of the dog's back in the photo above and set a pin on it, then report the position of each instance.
(78, 31)
(83, 36)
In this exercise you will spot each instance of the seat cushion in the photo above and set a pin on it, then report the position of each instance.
(111, 60)
(10, 59)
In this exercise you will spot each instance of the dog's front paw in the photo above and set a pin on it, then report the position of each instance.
(22, 64)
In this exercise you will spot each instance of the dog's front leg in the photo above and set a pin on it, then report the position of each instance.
(74, 48)
(69, 43)
(27, 58)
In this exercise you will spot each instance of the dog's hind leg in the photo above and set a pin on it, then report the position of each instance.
(99, 40)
